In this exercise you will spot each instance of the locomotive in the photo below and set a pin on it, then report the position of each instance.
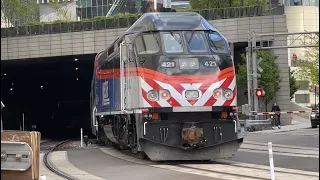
(166, 90)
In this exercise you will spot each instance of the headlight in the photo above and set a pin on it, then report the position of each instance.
(153, 95)
(217, 93)
(190, 63)
(313, 115)
(192, 94)
(165, 94)
(227, 93)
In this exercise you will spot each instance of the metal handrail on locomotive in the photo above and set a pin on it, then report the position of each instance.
(166, 89)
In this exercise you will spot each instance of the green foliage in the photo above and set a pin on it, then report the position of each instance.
(18, 9)
(270, 77)
(211, 4)
(293, 84)
(242, 74)
(96, 18)
(310, 71)
(61, 10)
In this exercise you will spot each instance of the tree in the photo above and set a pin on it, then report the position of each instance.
(293, 84)
(310, 71)
(211, 4)
(24, 10)
(270, 77)
(242, 74)
(61, 10)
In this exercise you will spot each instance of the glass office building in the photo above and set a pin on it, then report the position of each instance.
(92, 8)
(300, 2)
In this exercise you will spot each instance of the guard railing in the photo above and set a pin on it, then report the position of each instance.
(120, 21)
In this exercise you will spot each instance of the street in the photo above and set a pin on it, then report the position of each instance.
(296, 156)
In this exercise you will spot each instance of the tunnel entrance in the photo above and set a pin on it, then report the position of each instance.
(50, 94)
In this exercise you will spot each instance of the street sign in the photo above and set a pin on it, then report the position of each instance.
(258, 67)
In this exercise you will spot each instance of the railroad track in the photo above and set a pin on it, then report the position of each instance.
(46, 160)
(222, 169)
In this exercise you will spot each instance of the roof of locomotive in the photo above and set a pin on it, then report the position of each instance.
(170, 21)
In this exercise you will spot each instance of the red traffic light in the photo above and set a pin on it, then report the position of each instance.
(260, 92)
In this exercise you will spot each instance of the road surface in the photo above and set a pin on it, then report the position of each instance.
(296, 156)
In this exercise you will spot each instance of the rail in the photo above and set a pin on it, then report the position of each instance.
(48, 164)
(123, 21)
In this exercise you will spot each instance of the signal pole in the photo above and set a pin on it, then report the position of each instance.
(249, 73)
(254, 71)
(253, 64)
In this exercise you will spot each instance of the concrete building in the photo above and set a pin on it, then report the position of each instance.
(301, 15)
(88, 42)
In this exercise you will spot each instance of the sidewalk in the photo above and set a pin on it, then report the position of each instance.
(298, 122)
(60, 160)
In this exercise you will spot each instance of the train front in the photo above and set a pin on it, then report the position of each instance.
(188, 89)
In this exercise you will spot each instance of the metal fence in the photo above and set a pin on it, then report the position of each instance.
(112, 23)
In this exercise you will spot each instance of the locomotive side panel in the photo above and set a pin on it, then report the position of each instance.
(133, 86)
(108, 86)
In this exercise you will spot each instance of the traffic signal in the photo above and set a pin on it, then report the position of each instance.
(260, 92)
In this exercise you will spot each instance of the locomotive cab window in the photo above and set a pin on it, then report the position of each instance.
(217, 42)
(172, 43)
(147, 43)
(196, 42)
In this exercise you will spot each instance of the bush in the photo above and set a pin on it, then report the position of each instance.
(97, 18)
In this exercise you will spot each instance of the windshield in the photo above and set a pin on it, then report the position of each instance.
(147, 43)
(172, 43)
(196, 42)
(217, 42)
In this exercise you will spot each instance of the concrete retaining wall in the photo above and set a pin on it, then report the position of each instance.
(88, 42)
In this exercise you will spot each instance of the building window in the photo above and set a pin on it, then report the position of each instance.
(172, 43)
(303, 85)
(296, 2)
(302, 98)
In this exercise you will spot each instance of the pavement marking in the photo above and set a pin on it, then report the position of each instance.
(229, 170)
(283, 150)
(60, 160)
(281, 145)
(277, 169)
(278, 153)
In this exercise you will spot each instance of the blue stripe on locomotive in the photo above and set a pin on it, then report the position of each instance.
(113, 95)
